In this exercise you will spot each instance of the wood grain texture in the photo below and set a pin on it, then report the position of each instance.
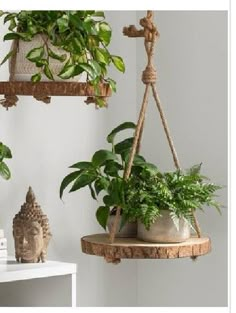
(132, 248)
(52, 89)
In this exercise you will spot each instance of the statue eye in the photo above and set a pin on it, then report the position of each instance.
(34, 231)
(18, 232)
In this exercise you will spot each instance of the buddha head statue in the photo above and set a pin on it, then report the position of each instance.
(31, 232)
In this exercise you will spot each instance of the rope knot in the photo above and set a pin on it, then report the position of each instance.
(9, 101)
(150, 30)
(149, 75)
(43, 98)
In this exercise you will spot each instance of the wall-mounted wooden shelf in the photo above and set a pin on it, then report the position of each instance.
(25, 88)
(133, 248)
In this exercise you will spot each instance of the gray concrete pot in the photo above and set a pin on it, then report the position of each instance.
(128, 230)
(164, 230)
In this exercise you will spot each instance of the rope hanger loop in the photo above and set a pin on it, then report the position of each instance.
(149, 77)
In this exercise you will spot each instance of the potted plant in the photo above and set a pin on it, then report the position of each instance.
(62, 44)
(162, 203)
(5, 153)
(104, 173)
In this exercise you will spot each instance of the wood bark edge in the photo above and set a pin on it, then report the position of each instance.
(52, 89)
(122, 249)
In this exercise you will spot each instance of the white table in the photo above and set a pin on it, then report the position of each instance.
(11, 271)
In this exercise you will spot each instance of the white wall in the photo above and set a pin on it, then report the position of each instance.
(45, 140)
(191, 61)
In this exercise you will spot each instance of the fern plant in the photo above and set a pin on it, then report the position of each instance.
(179, 192)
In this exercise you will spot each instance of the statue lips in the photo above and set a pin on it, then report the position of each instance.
(26, 252)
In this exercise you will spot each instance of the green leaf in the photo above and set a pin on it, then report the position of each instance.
(67, 72)
(9, 17)
(112, 168)
(36, 77)
(11, 36)
(96, 67)
(100, 101)
(12, 24)
(82, 165)
(77, 46)
(41, 63)
(63, 24)
(2, 13)
(108, 201)
(123, 126)
(112, 84)
(138, 159)
(101, 156)
(124, 145)
(48, 72)
(4, 171)
(5, 152)
(195, 169)
(102, 215)
(10, 54)
(52, 54)
(84, 179)
(35, 54)
(150, 167)
(116, 192)
(89, 69)
(102, 55)
(118, 62)
(104, 33)
(100, 184)
(93, 195)
(67, 180)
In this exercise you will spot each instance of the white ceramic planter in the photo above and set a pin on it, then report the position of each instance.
(24, 68)
(128, 230)
(164, 230)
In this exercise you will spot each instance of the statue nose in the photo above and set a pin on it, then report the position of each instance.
(25, 242)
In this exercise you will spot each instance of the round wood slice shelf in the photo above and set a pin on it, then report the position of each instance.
(133, 248)
(24, 88)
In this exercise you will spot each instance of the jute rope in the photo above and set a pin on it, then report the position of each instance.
(132, 154)
(140, 137)
(149, 77)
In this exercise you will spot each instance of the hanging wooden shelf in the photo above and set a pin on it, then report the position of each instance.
(133, 248)
(25, 88)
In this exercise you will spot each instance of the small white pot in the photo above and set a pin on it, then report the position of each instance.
(128, 230)
(24, 68)
(164, 230)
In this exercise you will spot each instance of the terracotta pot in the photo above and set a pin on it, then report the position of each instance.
(24, 68)
(128, 230)
(164, 230)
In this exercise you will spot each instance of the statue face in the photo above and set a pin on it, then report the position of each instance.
(29, 241)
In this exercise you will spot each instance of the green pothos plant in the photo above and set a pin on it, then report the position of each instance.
(84, 35)
(146, 192)
(5, 153)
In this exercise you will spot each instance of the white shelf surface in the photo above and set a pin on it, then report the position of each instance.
(10, 270)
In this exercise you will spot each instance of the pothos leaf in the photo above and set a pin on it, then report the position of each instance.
(102, 215)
